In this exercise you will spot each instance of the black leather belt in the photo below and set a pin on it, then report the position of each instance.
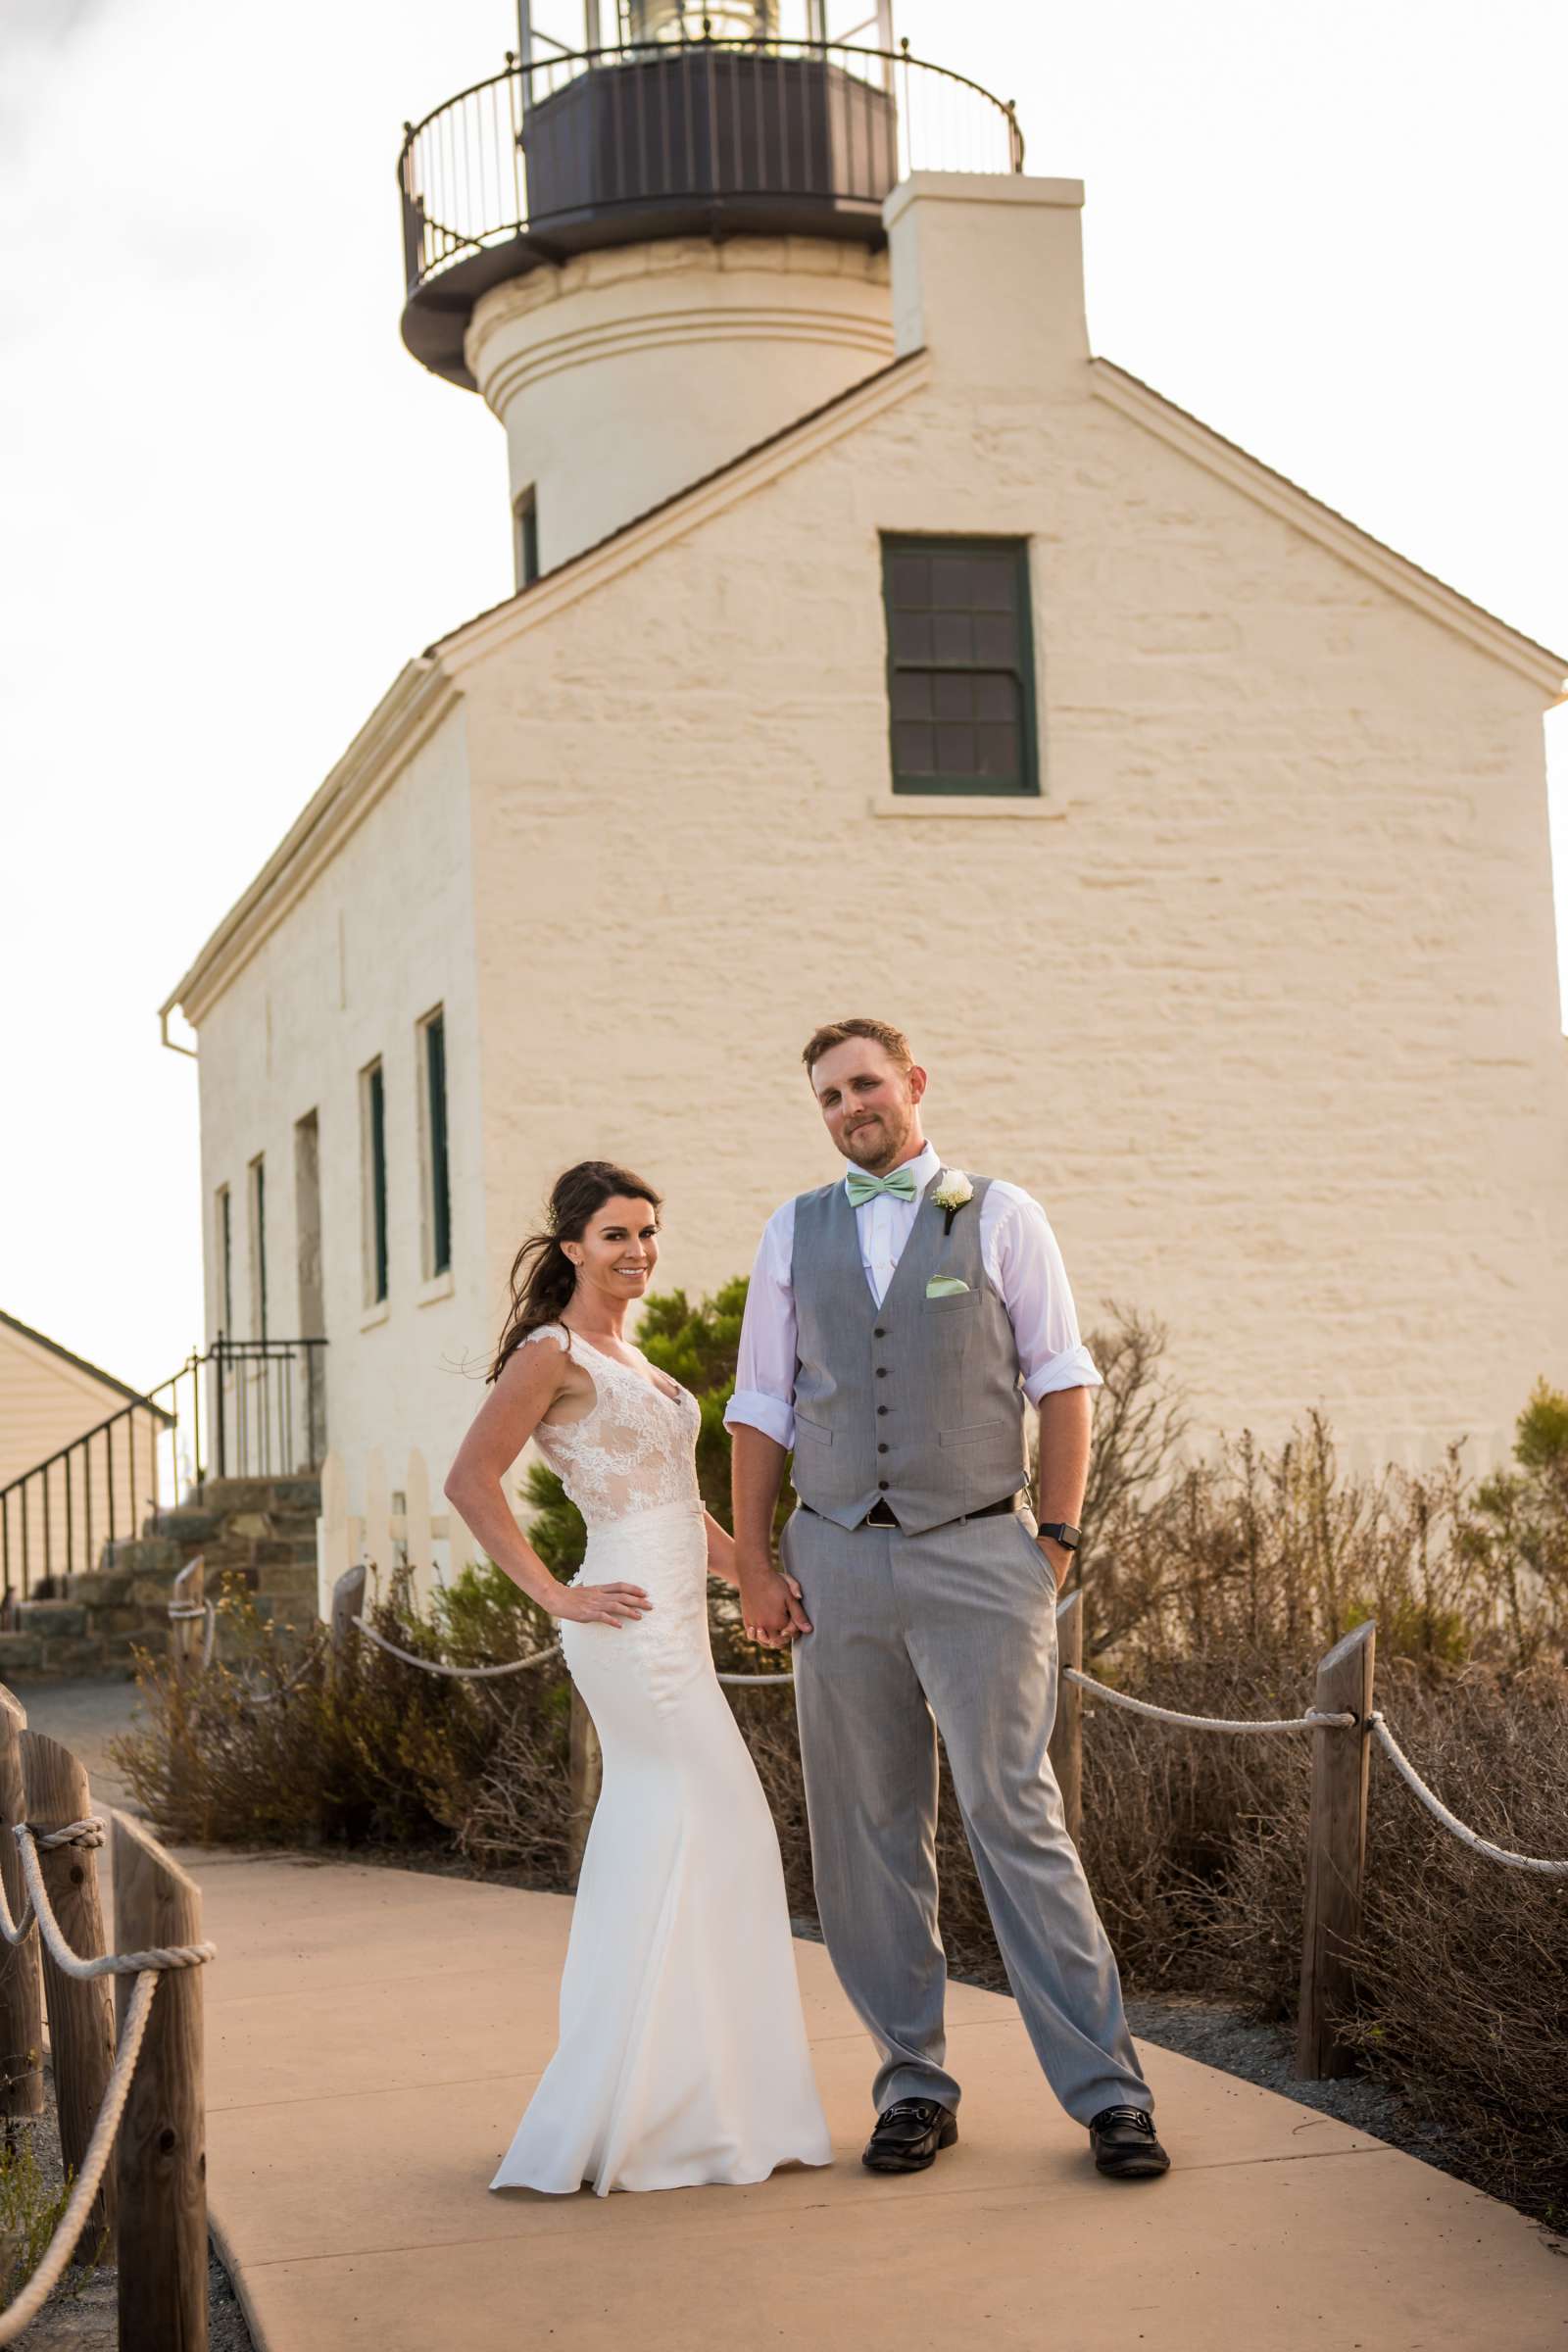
(881, 1513)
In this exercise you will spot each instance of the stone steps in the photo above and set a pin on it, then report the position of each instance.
(255, 1532)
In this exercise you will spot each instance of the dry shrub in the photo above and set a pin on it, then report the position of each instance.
(278, 1748)
(1462, 1965)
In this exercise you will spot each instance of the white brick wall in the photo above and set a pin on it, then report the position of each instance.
(1264, 1005)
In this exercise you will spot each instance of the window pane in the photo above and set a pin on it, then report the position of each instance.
(909, 583)
(956, 752)
(950, 583)
(995, 637)
(911, 694)
(998, 753)
(911, 637)
(952, 694)
(991, 583)
(952, 637)
(913, 751)
(995, 697)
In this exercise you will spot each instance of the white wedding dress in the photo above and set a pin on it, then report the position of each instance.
(682, 2055)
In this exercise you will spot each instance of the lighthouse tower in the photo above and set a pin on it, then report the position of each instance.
(650, 253)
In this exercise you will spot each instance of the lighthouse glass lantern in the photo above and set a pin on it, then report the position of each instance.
(689, 20)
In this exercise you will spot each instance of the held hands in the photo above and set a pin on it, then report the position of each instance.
(771, 1605)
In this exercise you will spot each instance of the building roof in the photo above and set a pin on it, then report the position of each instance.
(689, 490)
(1187, 433)
(80, 1363)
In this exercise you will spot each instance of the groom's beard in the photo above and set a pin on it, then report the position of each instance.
(878, 1144)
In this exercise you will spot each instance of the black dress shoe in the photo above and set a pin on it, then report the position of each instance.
(908, 2135)
(1124, 2144)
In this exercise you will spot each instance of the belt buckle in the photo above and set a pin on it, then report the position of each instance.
(888, 1518)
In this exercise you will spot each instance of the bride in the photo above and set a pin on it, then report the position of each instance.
(682, 2055)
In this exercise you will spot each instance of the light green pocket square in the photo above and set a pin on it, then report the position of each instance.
(945, 1286)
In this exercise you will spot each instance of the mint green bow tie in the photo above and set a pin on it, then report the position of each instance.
(862, 1188)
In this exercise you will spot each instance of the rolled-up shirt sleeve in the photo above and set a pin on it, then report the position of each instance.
(1032, 1281)
(765, 1370)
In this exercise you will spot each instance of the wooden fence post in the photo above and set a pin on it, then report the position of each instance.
(1067, 1731)
(21, 1988)
(187, 1635)
(1335, 1854)
(82, 2013)
(587, 1772)
(160, 2159)
(348, 1603)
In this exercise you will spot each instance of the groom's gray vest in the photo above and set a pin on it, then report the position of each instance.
(917, 1400)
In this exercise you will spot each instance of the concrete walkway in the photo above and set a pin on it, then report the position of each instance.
(374, 2036)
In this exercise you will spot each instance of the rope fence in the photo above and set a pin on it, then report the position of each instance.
(1337, 1837)
(1313, 1720)
(551, 1649)
(25, 2309)
(1450, 1821)
(156, 2213)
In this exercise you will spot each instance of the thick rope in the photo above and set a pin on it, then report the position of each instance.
(1451, 1822)
(1312, 1721)
(37, 1907)
(466, 1672)
(46, 2278)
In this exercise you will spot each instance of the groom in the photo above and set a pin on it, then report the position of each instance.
(896, 1324)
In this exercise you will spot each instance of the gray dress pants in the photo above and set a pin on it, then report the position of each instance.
(954, 1630)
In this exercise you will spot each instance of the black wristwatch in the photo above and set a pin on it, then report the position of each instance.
(1061, 1533)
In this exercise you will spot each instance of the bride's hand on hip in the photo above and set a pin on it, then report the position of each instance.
(598, 1604)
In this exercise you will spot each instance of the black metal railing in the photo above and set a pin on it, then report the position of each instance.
(266, 1415)
(263, 1416)
(644, 138)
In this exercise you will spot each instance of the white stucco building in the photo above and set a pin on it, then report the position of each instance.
(891, 652)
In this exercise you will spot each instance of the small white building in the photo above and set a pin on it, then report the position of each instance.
(879, 648)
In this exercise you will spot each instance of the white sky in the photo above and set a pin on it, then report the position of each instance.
(233, 505)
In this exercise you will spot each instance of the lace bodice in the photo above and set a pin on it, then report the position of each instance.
(632, 1451)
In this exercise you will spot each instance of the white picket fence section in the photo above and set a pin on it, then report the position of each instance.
(396, 1527)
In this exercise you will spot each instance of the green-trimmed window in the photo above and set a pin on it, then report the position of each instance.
(435, 1181)
(961, 676)
(372, 1146)
(525, 536)
(258, 1197)
(225, 1262)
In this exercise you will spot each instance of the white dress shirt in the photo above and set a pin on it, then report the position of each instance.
(1022, 1264)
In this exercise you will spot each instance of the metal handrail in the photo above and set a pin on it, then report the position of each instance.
(76, 1460)
(458, 159)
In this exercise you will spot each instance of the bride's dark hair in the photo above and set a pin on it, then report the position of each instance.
(543, 1276)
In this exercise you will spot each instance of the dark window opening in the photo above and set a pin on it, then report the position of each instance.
(375, 1109)
(437, 1175)
(960, 680)
(526, 515)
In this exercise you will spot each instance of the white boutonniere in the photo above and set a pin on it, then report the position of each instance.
(952, 1193)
